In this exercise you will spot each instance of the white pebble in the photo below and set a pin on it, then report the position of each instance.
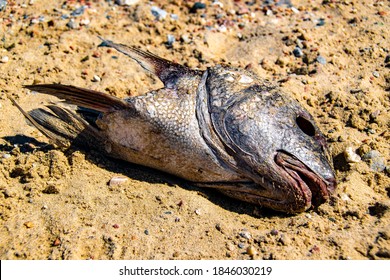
(197, 212)
(117, 180)
(351, 156)
(245, 79)
(222, 29)
(229, 79)
(85, 21)
(295, 10)
(217, 3)
(344, 197)
(245, 234)
(4, 59)
(126, 2)
(96, 78)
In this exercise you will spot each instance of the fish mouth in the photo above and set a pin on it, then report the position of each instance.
(290, 186)
(314, 189)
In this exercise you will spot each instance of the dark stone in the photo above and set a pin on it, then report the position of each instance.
(197, 6)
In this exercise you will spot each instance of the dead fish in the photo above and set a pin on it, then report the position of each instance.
(222, 128)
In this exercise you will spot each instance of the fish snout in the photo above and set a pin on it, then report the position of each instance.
(307, 185)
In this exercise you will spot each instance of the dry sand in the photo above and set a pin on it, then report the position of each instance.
(57, 204)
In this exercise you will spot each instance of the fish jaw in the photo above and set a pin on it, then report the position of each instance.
(312, 188)
(290, 186)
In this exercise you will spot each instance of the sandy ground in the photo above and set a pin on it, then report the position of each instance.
(58, 204)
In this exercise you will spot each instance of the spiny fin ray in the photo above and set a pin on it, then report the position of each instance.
(167, 71)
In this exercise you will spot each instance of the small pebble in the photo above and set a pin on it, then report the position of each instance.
(115, 226)
(217, 3)
(351, 156)
(117, 180)
(85, 21)
(197, 212)
(251, 251)
(197, 6)
(146, 232)
(241, 245)
(321, 22)
(284, 239)
(78, 11)
(295, 10)
(3, 5)
(375, 74)
(371, 154)
(274, 232)
(158, 13)
(185, 38)
(28, 224)
(170, 39)
(6, 156)
(8, 193)
(126, 2)
(245, 234)
(96, 78)
(344, 197)
(174, 16)
(72, 24)
(298, 52)
(245, 79)
(57, 242)
(321, 60)
(222, 28)
(377, 162)
(4, 59)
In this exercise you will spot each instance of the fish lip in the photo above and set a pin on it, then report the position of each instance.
(315, 189)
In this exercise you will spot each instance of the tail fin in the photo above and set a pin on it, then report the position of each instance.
(65, 126)
(62, 126)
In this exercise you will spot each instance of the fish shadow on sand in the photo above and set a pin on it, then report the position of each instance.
(27, 144)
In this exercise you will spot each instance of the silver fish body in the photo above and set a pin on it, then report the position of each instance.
(222, 128)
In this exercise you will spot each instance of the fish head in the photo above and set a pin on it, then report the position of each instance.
(274, 141)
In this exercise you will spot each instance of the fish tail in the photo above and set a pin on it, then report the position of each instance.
(64, 127)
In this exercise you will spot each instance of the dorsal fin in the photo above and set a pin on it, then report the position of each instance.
(167, 71)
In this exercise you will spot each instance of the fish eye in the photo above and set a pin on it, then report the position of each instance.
(306, 126)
